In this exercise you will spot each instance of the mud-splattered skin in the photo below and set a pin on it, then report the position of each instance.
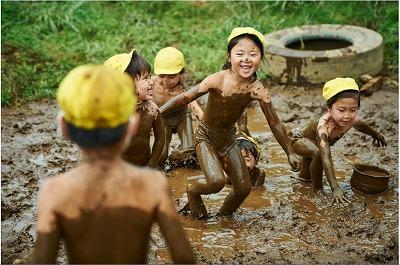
(104, 210)
(313, 144)
(139, 152)
(228, 97)
(166, 87)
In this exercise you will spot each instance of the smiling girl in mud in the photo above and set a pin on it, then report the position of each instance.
(230, 91)
(313, 141)
(139, 152)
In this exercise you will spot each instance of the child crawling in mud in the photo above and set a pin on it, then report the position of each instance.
(230, 91)
(313, 142)
(105, 207)
(139, 152)
(169, 68)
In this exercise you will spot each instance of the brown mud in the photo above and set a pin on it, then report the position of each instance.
(280, 222)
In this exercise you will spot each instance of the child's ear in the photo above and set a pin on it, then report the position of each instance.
(228, 56)
(62, 126)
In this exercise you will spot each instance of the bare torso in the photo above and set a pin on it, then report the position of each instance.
(162, 95)
(103, 212)
(227, 102)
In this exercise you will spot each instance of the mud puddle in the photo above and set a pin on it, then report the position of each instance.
(217, 238)
(280, 222)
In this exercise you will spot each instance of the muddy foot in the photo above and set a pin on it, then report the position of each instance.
(196, 206)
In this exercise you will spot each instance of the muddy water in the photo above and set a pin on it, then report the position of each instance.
(219, 237)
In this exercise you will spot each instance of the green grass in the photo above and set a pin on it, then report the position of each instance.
(42, 41)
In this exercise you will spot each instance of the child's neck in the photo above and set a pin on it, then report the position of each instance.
(100, 154)
(241, 80)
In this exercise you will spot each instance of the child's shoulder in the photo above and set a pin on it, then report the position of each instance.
(260, 92)
(149, 176)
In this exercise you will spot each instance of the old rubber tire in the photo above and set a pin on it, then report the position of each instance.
(302, 67)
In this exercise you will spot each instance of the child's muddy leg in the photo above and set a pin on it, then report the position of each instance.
(305, 169)
(235, 168)
(185, 133)
(168, 136)
(309, 150)
(316, 169)
(213, 183)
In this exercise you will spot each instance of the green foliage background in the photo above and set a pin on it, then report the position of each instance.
(42, 41)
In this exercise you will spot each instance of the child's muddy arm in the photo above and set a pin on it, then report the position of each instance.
(279, 131)
(182, 100)
(167, 218)
(48, 234)
(361, 126)
(326, 157)
(195, 108)
(159, 141)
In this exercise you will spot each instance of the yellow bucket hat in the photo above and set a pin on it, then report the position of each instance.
(337, 85)
(168, 61)
(92, 96)
(119, 62)
(246, 30)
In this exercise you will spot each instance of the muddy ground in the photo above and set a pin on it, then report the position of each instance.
(280, 222)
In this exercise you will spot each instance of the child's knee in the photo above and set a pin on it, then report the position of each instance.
(316, 154)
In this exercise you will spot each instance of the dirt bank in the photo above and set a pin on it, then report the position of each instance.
(280, 222)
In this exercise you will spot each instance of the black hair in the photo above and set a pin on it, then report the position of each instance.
(233, 42)
(96, 138)
(247, 145)
(138, 66)
(344, 94)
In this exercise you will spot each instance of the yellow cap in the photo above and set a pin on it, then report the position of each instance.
(168, 61)
(92, 96)
(337, 85)
(246, 30)
(119, 62)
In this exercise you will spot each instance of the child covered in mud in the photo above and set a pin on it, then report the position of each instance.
(230, 91)
(105, 207)
(250, 150)
(139, 152)
(313, 142)
(169, 68)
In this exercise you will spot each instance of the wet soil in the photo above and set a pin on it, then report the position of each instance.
(280, 222)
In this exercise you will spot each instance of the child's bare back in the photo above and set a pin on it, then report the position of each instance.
(105, 213)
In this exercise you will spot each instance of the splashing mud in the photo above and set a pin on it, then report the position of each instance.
(280, 222)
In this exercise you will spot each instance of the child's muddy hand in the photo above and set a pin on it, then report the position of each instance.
(379, 140)
(339, 198)
(294, 162)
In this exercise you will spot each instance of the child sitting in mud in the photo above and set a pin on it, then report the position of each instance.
(250, 150)
(105, 207)
(230, 91)
(139, 152)
(313, 142)
(169, 68)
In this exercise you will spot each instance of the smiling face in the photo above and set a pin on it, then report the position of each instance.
(344, 111)
(144, 87)
(249, 159)
(169, 81)
(245, 58)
